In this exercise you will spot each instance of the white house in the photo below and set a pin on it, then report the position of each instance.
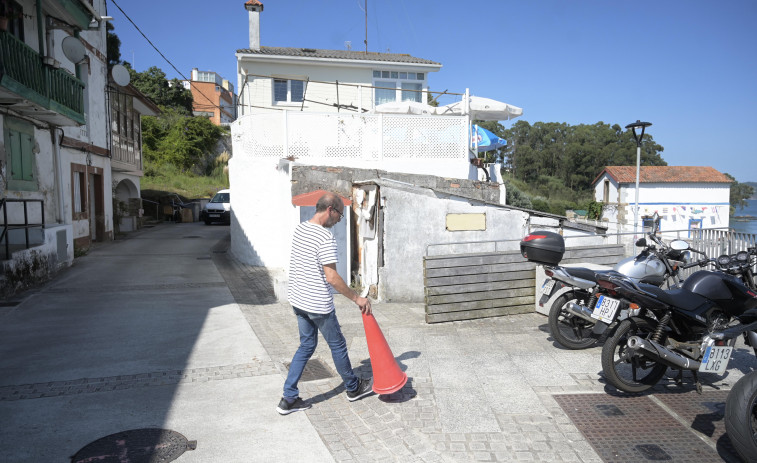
(63, 152)
(307, 122)
(309, 79)
(685, 197)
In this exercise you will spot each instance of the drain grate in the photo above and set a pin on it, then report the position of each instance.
(315, 369)
(705, 413)
(147, 445)
(633, 428)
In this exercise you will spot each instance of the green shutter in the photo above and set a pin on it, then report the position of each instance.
(27, 156)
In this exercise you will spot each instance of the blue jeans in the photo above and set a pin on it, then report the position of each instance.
(310, 324)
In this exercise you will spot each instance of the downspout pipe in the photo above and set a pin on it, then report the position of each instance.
(40, 29)
(60, 210)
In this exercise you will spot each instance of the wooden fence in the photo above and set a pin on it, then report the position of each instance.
(492, 284)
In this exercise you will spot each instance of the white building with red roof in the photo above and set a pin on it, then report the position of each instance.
(685, 197)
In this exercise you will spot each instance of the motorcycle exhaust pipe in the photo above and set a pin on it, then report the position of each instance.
(660, 354)
(581, 312)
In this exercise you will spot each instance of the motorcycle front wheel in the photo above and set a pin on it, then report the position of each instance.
(626, 372)
(569, 330)
(741, 416)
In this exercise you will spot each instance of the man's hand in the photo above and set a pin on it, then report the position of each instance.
(365, 305)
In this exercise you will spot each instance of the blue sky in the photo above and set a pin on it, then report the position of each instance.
(688, 67)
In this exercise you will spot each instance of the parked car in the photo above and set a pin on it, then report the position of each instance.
(218, 209)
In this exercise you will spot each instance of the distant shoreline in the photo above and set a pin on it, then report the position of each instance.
(743, 218)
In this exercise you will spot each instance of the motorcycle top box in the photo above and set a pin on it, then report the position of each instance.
(543, 247)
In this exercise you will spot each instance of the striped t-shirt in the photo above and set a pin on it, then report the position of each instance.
(313, 246)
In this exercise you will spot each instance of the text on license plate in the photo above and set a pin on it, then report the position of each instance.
(214, 215)
(546, 287)
(605, 309)
(715, 359)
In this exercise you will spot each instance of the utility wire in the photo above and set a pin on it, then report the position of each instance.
(164, 56)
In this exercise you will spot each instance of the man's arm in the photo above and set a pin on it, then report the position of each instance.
(338, 283)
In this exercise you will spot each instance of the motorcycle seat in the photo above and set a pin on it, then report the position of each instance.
(680, 298)
(582, 273)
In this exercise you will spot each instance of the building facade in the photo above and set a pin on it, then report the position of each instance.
(213, 96)
(309, 79)
(685, 198)
(57, 179)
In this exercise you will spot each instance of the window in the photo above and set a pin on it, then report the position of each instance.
(14, 14)
(694, 225)
(648, 224)
(385, 95)
(411, 92)
(606, 195)
(19, 149)
(79, 191)
(288, 91)
(403, 86)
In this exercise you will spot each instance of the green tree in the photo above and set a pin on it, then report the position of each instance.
(113, 45)
(166, 94)
(574, 155)
(740, 192)
(181, 141)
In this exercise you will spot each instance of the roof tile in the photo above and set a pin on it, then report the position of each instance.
(338, 54)
(665, 174)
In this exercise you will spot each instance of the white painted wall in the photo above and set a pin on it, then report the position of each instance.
(677, 203)
(256, 87)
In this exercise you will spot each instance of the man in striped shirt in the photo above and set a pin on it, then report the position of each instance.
(312, 274)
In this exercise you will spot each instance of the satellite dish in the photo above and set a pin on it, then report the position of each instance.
(73, 49)
(120, 75)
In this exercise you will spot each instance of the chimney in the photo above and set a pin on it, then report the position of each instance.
(255, 8)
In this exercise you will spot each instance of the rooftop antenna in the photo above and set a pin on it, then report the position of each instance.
(348, 45)
(366, 26)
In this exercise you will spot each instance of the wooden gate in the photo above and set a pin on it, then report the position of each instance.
(493, 284)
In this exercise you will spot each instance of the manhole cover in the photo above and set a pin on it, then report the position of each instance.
(148, 445)
(314, 369)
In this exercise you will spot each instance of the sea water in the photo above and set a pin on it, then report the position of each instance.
(746, 226)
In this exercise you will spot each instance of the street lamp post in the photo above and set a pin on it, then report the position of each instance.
(637, 137)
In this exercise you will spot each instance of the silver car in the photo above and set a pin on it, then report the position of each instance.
(218, 209)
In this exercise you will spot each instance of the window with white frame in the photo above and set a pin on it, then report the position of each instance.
(288, 91)
(397, 86)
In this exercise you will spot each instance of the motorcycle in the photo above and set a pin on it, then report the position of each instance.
(741, 416)
(575, 319)
(691, 328)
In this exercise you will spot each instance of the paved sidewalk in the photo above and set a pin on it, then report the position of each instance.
(166, 330)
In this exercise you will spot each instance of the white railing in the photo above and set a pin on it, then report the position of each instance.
(380, 141)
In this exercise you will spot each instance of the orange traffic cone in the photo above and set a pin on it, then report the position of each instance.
(387, 375)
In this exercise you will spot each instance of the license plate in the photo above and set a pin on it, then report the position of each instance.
(546, 287)
(715, 359)
(214, 215)
(605, 309)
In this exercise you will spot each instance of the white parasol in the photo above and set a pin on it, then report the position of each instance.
(483, 109)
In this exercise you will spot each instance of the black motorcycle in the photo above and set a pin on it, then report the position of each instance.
(692, 328)
(741, 416)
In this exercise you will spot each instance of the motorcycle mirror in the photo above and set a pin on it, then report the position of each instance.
(655, 222)
(679, 245)
(641, 242)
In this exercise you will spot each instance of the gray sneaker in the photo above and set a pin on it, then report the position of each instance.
(363, 389)
(286, 408)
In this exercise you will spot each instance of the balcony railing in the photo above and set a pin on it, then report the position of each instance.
(23, 72)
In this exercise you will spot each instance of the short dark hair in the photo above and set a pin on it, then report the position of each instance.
(328, 200)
